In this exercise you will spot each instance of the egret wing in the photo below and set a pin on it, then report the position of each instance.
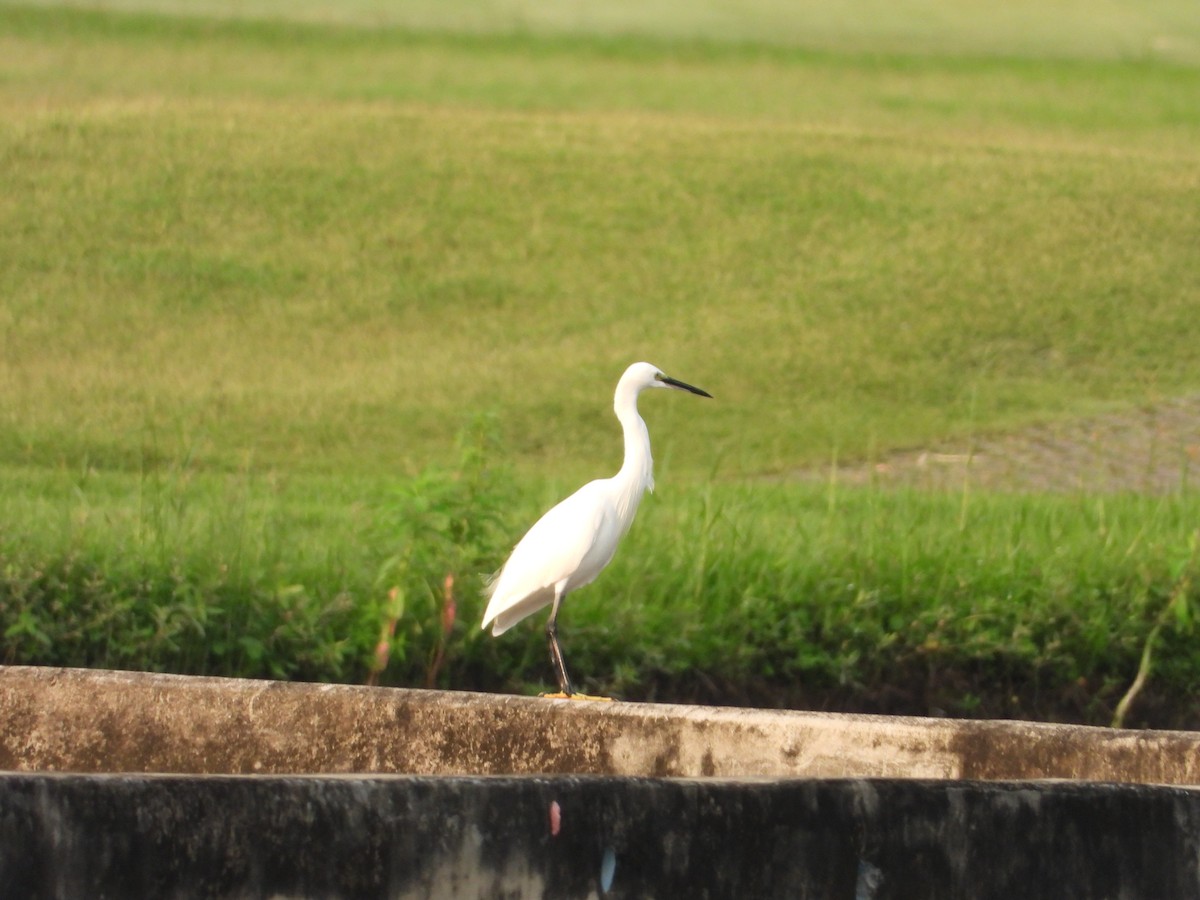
(550, 552)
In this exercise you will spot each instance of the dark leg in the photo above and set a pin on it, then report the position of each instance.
(556, 657)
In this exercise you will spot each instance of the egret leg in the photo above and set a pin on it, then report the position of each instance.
(556, 657)
(565, 691)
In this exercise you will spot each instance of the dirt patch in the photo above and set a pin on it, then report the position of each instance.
(1152, 449)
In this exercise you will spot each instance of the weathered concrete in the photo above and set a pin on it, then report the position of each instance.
(233, 837)
(93, 721)
(878, 815)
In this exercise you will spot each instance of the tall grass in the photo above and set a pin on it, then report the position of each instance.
(814, 595)
(178, 570)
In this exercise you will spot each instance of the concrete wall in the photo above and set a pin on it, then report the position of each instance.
(742, 803)
(87, 721)
(388, 837)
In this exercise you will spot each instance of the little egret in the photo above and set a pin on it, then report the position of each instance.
(570, 545)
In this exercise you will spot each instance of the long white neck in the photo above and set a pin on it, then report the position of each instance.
(637, 472)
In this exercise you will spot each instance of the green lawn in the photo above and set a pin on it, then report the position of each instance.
(1106, 29)
(259, 271)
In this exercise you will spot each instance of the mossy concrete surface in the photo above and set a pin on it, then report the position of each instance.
(74, 720)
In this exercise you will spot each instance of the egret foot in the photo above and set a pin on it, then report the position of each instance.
(573, 696)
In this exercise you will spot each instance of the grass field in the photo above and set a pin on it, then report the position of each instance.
(259, 272)
(1107, 29)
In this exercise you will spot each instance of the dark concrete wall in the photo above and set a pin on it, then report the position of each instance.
(253, 819)
(384, 837)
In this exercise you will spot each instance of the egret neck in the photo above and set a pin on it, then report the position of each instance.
(637, 472)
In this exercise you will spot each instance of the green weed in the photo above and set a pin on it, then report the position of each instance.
(1040, 606)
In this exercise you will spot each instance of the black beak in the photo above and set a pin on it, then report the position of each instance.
(685, 387)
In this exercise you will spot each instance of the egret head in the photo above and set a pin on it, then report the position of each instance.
(643, 375)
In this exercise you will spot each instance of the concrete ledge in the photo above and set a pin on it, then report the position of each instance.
(73, 720)
(386, 837)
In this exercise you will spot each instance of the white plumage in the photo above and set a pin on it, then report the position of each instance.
(572, 543)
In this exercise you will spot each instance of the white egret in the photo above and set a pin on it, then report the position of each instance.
(570, 545)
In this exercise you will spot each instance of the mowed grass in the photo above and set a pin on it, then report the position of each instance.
(265, 241)
(1155, 29)
(255, 274)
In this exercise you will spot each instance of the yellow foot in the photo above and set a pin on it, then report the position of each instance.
(562, 696)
